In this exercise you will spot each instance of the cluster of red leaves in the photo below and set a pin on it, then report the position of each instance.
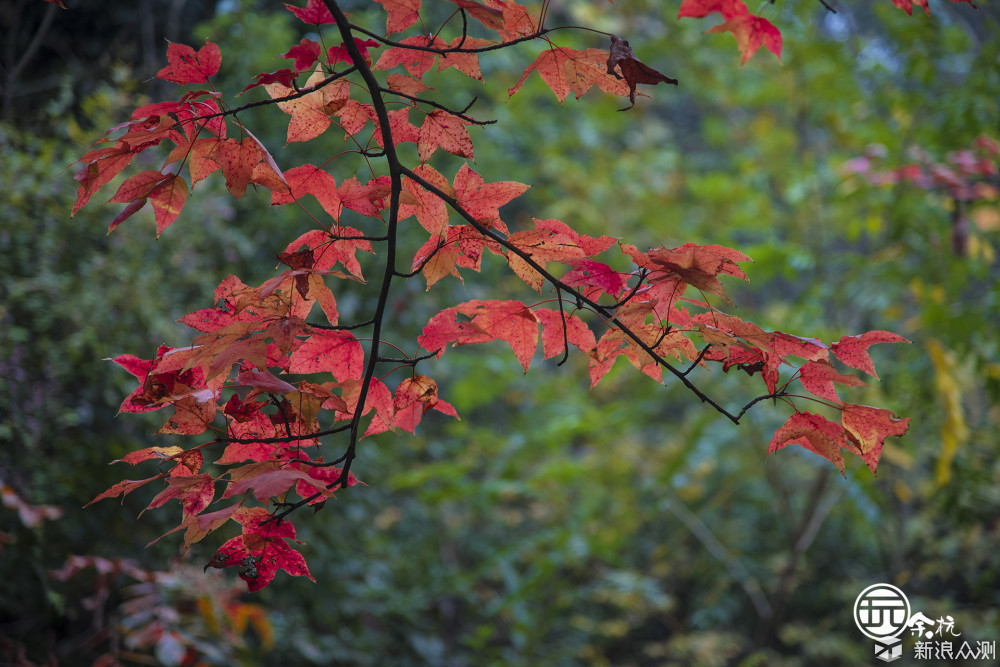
(965, 175)
(752, 32)
(269, 375)
(907, 5)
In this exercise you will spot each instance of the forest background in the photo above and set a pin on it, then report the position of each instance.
(552, 525)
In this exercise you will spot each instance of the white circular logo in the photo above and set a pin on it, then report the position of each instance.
(881, 611)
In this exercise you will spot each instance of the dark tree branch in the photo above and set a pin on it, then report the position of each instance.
(301, 92)
(701, 355)
(408, 361)
(757, 400)
(580, 297)
(396, 171)
(459, 114)
(565, 333)
(396, 185)
(441, 245)
(448, 49)
(288, 438)
(632, 292)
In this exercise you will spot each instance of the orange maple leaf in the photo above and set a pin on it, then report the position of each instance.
(311, 112)
(402, 14)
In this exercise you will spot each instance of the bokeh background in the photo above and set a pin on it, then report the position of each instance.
(552, 525)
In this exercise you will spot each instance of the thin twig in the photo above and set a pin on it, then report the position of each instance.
(449, 49)
(736, 569)
(701, 355)
(555, 282)
(408, 361)
(458, 114)
(562, 316)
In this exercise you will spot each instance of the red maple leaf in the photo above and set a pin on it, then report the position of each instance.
(490, 17)
(437, 258)
(242, 411)
(100, 166)
(405, 84)
(168, 199)
(567, 70)
(311, 180)
(311, 112)
(147, 453)
(853, 350)
(444, 130)
(413, 398)
(198, 155)
(416, 61)
(700, 8)
(379, 399)
(907, 5)
(237, 159)
(809, 349)
(190, 66)
(518, 21)
(337, 352)
(193, 414)
(560, 328)
(142, 369)
(869, 427)
(751, 32)
(314, 13)
(200, 526)
(402, 14)
(510, 321)
(589, 272)
(818, 378)
(338, 54)
(123, 488)
(431, 210)
(257, 427)
(340, 244)
(671, 270)
(195, 493)
(814, 432)
(403, 130)
(139, 186)
(267, 479)
(483, 200)
(264, 381)
(321, 478)
(261, 550)
(305, 53)
(466, 63)
(542, 244)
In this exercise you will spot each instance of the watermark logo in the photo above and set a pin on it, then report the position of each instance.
(882, 613)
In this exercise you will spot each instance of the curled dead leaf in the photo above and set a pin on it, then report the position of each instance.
(621, 56)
